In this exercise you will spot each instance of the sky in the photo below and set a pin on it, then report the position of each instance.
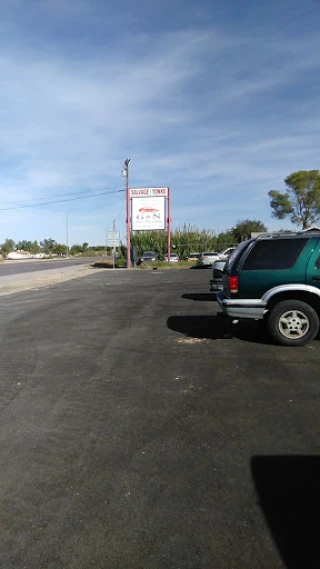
(218, 99)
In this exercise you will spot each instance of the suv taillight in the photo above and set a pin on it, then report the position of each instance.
(233, 284)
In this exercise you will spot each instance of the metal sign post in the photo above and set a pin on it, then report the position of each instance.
(113, 240)
(169, 225)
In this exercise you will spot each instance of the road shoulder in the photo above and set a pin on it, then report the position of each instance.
(10, 284)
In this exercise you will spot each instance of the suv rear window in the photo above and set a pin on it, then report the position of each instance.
(273, 254)
(237, 253)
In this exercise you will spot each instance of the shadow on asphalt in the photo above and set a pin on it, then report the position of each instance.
(289, 495)
(204, 297)
(215, 327)
(195, 267)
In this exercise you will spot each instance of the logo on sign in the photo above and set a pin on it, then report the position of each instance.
(148, 213)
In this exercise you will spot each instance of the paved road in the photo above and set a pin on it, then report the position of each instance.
(140, 431)
(18, 267)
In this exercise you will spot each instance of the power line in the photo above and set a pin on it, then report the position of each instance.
(60, 201)
(58, 196)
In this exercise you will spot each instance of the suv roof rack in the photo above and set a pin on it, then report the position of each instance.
(275, 234)
(271, 234)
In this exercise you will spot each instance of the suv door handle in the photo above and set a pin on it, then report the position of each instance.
(316, 278)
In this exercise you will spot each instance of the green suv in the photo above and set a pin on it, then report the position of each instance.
(276, 278)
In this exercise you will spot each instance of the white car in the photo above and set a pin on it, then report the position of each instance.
(207, 259)
(224, 255)
(173, 258)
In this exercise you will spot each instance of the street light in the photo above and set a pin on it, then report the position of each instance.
(72, 209)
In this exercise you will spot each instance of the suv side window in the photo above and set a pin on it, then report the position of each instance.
(274, 254)
(318, 263)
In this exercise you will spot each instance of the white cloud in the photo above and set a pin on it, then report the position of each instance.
(178, 103)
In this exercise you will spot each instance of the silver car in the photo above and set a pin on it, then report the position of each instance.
(173, 258)
(207, 259)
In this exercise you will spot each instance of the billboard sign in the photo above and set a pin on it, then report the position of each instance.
(148, 192)
(148, 212)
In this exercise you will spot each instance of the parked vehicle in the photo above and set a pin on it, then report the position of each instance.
(217, 270)
(216, 281)
(193, 257)
(148, 257)
(207, 259)
(173, 258)
(224, 255)
(276, 278)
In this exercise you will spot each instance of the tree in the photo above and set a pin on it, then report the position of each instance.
(184, 240)
(76, 249)
(23, 245)
(149, 241)
(226, 239)
(301, 201)
(7, 246)
(85, 246)
(48, 245)
(35, 247)
(60, 249)
(244, 228)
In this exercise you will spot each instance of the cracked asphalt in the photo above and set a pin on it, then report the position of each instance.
(138, 430)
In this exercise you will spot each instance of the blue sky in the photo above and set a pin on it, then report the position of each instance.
(218, 99)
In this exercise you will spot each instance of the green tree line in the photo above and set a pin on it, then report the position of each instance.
(184, 241)
(48, 247)
(189, 238)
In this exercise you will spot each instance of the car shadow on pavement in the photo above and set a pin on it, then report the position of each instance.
(204, 296)
(215, 327)
(289, 495)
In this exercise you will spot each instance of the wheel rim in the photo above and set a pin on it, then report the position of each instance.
(294, 324)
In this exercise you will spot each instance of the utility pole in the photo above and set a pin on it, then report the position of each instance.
(128, 220)
(67, 235)
(68, 229)
(114, 249)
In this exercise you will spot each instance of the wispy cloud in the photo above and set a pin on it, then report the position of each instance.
(221, 117)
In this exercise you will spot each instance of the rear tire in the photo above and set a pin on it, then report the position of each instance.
(293, 323)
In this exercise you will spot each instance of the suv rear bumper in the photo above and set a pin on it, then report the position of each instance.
(242, 308)
(216, 286)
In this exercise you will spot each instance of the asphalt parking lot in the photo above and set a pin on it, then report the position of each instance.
(138, 430)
